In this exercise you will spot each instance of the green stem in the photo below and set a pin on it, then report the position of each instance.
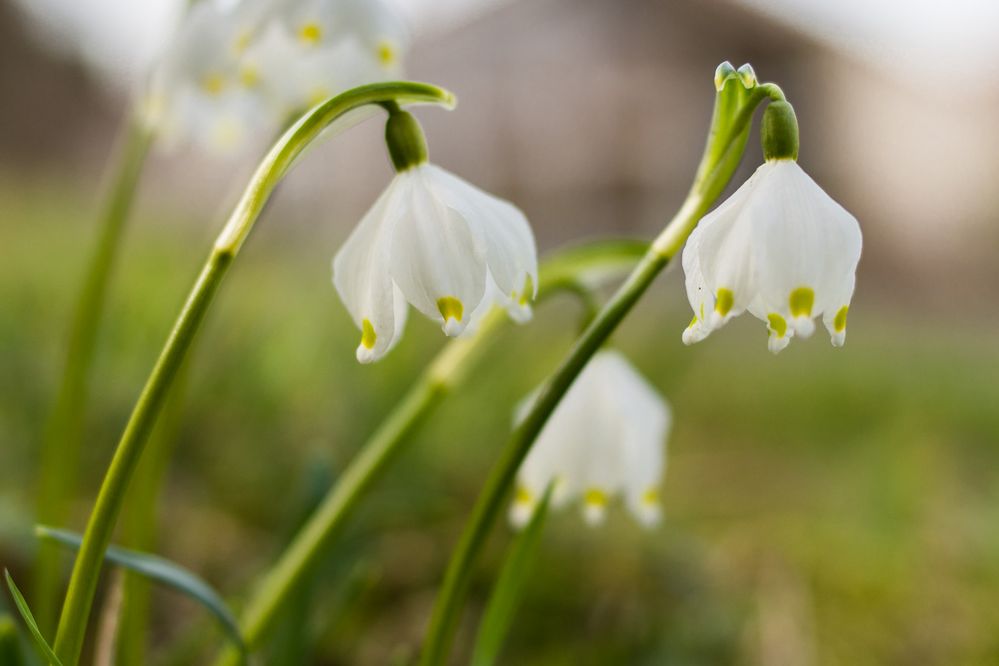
(441, 376)
(139, 524)
(717, 167)
(86, 569)
(60, 454)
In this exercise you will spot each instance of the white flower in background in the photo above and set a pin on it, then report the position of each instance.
(606, 438)
(239, 70)
(205, 89)
(326, 46)
(779, 247)
(441, 244)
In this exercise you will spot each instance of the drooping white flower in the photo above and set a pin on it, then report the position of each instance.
(606, 438)
(441, 244)
(781, 248)
(205, 89)
(239, 70)
(326, 46)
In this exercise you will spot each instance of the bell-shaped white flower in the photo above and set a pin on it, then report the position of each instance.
(781, 248)
(206, 89)
(437, 242)
(606, 438)
(330, 45)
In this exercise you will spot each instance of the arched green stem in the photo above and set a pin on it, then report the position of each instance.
(86, 569)
(60, 451)
(445, 372)
(725, 146)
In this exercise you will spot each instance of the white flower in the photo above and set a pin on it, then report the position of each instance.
(606, 437)
(205, 89)
(444, 246)
(240, 70)
(779, 247)
(330, 45)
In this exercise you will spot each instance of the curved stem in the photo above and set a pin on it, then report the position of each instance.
(60, 450)
(444, 373)
(86, 569)
(721, 156)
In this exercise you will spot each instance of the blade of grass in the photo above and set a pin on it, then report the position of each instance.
(162, 571)
(499, 614)
(29, 620)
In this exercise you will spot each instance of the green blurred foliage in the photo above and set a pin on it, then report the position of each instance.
(822, 507)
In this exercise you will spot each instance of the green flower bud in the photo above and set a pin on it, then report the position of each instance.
(779, 132)
(406, 144)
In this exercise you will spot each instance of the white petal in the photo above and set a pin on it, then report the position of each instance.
(436, 260)
(724, 257)
(501, 228)
(702, 301)
(361, 273)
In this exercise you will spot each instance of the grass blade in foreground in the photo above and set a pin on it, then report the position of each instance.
(162, 571)
(509, 587)
(29, 619)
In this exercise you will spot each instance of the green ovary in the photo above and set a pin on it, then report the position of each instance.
(801, 302)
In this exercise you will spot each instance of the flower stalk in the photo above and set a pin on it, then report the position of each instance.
(444, 373)
(60, 451)
(735, 104)
(86, 569)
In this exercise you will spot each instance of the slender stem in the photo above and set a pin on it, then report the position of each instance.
(86, 569)
(441, 376)
(61, 445)
(716, 169)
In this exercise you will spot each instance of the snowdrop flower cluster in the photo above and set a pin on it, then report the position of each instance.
(436, 242)
(607, 437)
(240, 70)
(779, 247)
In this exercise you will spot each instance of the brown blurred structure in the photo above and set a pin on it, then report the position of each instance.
(590, 114)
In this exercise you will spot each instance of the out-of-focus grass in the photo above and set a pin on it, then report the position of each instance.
(824, 506)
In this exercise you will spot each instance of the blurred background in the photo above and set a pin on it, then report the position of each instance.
(822, 507)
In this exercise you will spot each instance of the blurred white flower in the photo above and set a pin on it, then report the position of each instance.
(239, 71)
(779, 247)
(441, 244)
(607, 437)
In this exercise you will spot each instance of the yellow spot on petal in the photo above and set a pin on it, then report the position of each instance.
(213, 83)
(387, 53)
(651, 496)
(523, 496)
(778, 325)
(450, 308)
(249, 76)
(801, 301)
(724, 300)
(368, 335)
(311, 33)
(692, 322)
(839, 322)
(595, 497)
(242, 42)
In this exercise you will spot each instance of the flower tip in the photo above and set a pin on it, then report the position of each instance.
(803, 326)
(838, 338)
(594, 514)
(520, 513)
(365, 355)
(521, 314)
(777, 344)
(649, 514)
(452, 327)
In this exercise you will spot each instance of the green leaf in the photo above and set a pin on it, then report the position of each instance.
(162, 571)
(29, 620)
(506, 594)
(592, 263)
